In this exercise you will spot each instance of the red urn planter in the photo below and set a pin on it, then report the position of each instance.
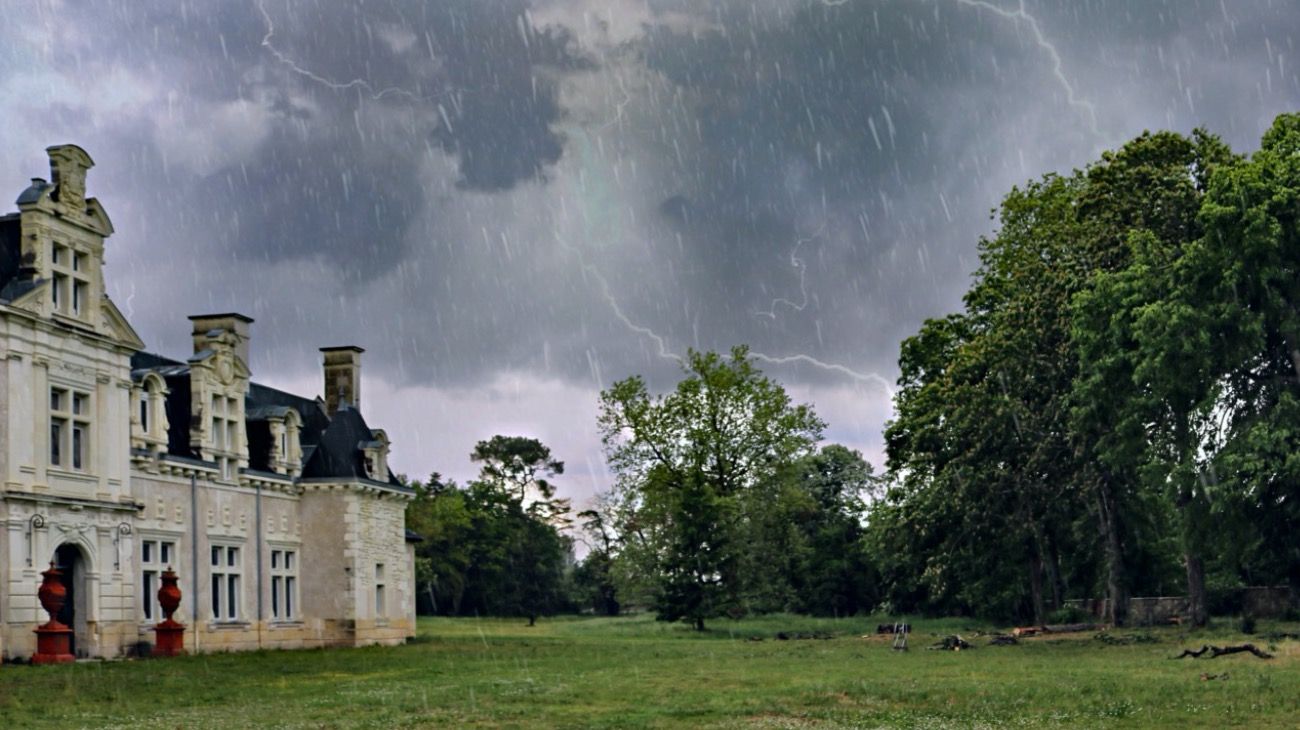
(171, 633)
(53, 640)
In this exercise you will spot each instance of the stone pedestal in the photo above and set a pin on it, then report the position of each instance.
(53, 640)
(170, 633)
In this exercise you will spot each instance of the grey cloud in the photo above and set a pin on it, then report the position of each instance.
(458, 184)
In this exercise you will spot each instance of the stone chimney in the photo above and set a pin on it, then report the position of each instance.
(208, 327)
(68, 166)
(342, 377)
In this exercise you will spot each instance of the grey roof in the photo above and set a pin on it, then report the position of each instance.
(15, 279)
(33, 192)
(262, 413)
(332, 448)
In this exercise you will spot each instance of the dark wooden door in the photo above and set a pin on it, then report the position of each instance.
(68, 559)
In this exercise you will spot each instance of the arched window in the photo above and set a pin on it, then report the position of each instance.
(149, 413)
(288, 453)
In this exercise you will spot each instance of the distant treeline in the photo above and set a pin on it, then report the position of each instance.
(1115, 412)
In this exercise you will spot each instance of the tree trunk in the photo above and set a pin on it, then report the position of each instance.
(1054, 575)
(1116, 579)
(1196, 588)
(699, 623)
(1036, 586)
(1048, 568)
(532, 620)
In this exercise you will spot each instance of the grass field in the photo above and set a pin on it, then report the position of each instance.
(635, 672)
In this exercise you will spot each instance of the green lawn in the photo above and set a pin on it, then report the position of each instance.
(634, 672)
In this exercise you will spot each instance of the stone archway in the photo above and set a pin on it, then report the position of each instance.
(72, 562)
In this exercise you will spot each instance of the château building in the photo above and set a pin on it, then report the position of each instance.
(277, 511)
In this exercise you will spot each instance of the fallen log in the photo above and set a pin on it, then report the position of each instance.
(1072, 628)
(1216, 651)
(1126, 639)
(1056, 629)
(1003, 640)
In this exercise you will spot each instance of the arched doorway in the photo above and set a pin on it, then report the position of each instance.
(69, 561)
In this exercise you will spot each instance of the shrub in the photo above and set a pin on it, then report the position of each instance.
(1068, 615)
(1247, 624)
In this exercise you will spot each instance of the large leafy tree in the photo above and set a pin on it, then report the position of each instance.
(495, 547)
(1033, 407)
(440, 515)
(979, 448)
(833, 574)
(521, 468)
(1232, 326)
(1142, 371)
(594, 577)
(686, 461)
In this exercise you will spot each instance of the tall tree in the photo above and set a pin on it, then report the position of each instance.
(685, 459)
(594, 576)
(495, 547)
(979, 447)
(522, 467)
(1234, 315)
(1142, 372)
(1031, 406)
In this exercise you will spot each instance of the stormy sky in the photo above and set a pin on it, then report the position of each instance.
(512, 203)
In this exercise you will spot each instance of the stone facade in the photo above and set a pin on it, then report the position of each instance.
(278, 512)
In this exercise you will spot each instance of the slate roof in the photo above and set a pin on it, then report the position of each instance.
(14, 280)
(331, 447)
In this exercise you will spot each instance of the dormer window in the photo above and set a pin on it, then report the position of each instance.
(69, 285)
(226, 415)
(286, 455)
(375, 455)
(149, 417)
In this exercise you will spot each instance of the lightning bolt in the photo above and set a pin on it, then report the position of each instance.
(862, 377)
(357, 83)
(659, 341)
(663, 351)
(797, 263)
(1022, 15)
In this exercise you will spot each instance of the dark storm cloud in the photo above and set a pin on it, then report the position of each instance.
(472, 188)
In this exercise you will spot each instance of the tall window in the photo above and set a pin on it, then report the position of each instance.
(380, 612)
(69, 428)
(226, 572)
(284, 584)
(225, 434)
(70, 287)
(155, 556)
(144, 412)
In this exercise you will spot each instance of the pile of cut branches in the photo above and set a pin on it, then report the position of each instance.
(951, 643)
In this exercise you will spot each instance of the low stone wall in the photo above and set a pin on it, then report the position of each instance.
(1257, 601)
(1269, 601)
(1145, 611)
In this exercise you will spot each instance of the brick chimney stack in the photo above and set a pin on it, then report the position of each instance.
(206, 325)
(342, 377)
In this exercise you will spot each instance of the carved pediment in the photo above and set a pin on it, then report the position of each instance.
(113, 323)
